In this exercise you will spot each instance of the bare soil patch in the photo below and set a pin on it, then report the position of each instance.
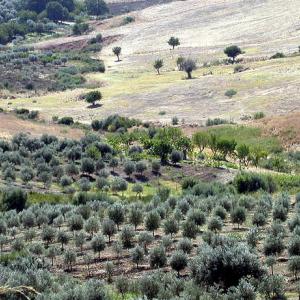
(285, 127)
(11, 125)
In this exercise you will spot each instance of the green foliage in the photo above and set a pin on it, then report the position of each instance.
(117, 51)
(173, 42)
(252, 182)
(259, 115)
(230, 93)
(232, 52)
(128, 20)
(14, 198)
(56, 12)
(80, 28)
(93, 96)
(277, 55)
(215, 262)
(96, 7)
(189, 65)
(158, 64)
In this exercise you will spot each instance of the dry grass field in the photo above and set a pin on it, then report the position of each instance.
(11, 125)
(205, 28)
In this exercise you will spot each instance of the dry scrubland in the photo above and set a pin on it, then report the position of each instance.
(205, 28)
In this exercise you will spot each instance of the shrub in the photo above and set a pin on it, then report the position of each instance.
(109, 228)
(178, 261)
(158, 258)
(137, 255)
(98, 244)
(14, 198)
(185, 245)
(216, 121)
(238, 215)
(176, 156)
(152, 221)
(273, 245)
(126, 236)
(127, 20)
(175, 120)
(294, 246)
(230, 93)
(93, 96)
(80, 28)
(252, 182)
(277, 55)
(214, 263)
(189, 65)
(259, 115)
(66, 121)
(189, 229)
(171, 226)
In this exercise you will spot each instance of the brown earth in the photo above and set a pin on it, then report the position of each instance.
(11, 125)
(285, 127)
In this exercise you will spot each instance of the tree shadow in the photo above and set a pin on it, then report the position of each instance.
(176, 166)
(130, 179)
(97, 105)
(141, 178)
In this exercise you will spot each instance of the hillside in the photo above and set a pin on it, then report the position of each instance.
(205, 28)
(149, 149)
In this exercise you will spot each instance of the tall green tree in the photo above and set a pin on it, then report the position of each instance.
(96, 7)
(56, 12)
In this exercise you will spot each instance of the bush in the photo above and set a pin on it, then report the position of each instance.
(66, 121)
(216, 121)
(185, 245)
(92, 97)
(178, 261)
(176, 156)
(152, 221)
(14, 198)
(158, 258)
(252, 182)
(214, 263)
(230, 93)
(127, 20)
(80, 28)
(277, 55)
(126, 236)
(259, 115)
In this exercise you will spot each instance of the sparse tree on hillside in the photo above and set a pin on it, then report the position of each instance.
(158, 64)
(232, 52)
(173, 42)
(93, 96)
(179, 63)
(189, 65)
(117, 51)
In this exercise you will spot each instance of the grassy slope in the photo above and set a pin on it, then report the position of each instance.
(204, 27)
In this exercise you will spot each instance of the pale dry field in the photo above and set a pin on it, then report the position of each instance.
(11, 125)
(205, 28)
